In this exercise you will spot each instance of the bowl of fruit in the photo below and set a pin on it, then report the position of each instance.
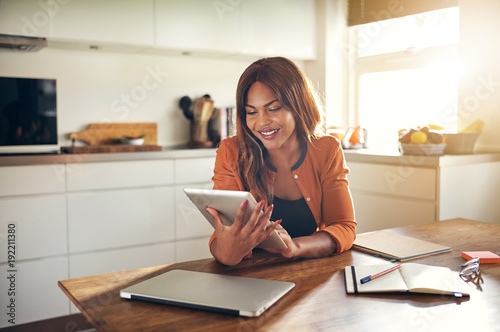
(422, 141)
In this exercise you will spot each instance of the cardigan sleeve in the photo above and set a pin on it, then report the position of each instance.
(337, 206)
(226, 166)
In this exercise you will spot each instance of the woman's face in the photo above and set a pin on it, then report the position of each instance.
(267, 119)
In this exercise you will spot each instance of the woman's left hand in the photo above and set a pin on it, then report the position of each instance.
(291, 251)
(319, 244)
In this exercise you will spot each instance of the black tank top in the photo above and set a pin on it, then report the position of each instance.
(297, 218)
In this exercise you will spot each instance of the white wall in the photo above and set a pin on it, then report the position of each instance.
(97, 86)
(329, 71)
(479, 92)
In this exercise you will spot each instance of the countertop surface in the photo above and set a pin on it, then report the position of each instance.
(396, 158)
(391, 157)
(166, 153)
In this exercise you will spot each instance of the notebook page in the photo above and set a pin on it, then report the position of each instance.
(432, 279)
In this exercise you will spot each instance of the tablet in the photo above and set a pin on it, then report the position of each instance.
(227, 202)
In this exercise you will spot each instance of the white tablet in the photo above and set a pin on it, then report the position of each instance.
(227, 202)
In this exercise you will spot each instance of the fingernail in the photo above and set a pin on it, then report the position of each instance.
(245, 203)
(261, 204)
(271, 208)
(208, 211)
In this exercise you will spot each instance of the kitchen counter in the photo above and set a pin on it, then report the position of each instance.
(166, 153)
(361, 155)
(394, 157)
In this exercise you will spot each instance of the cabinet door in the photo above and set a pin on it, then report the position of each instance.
(279, 27)
(402, 180)
(109, 175)
(194, 170)
(470, 191)
(27, 17)
(122, 259)
(120, 218)
(37, 295)
(113, 21)
(374, 212)
(198, 25)
(40, 225)
(28, 180)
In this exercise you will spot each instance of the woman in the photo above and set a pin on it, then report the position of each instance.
(279, 155)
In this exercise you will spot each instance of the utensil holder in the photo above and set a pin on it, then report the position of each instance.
(199, 132)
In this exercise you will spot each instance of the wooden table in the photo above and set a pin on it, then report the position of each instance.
(319, 301)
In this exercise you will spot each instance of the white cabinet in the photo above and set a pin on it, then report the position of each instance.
(27, 17)
(388, 196)
(40, 223)
(374, 211)
(106, 175)
(279, 28)
(198, 25)
(192, 229)
(250, 27)
(105, 21)
(121, 259)
(119, 218)
(29, 180)
(470, 191)
(225, 27)
(80, 219)
(37, 295)
(424, 189)
(194, 170)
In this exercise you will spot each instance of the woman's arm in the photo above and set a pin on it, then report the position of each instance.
(319, 244)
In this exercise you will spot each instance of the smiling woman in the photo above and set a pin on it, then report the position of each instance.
(281, 156)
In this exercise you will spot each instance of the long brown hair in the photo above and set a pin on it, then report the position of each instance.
(295, 93)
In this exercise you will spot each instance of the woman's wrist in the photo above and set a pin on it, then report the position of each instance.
(319, 244)
(222, 257)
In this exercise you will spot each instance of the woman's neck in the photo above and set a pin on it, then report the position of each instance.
(287, 155)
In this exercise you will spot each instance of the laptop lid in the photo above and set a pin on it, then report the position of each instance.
(241, 296)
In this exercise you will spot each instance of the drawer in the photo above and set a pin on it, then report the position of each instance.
(194, 170)
(28, 180)
(400, 180)
(37, 294)
(120, 218)
(381, 212)
(108, 261)
(128, 174)
(40, 225)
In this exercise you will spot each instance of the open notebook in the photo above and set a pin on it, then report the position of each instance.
(396, 246)
(411, 277)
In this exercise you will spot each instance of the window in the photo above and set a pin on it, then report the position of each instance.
(404, 73)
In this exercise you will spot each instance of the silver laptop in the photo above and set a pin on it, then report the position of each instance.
(241, 296)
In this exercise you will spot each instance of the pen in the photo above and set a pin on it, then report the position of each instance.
(375, 276)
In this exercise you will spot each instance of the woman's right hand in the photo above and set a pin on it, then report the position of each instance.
(234, 242)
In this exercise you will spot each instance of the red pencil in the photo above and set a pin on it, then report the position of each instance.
(378, 275)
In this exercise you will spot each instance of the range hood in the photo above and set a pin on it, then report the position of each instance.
(22, 43)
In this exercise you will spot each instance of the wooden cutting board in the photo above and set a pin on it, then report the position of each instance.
(110, 148)
(104, 133)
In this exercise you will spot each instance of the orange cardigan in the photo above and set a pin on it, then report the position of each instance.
(321, 177)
